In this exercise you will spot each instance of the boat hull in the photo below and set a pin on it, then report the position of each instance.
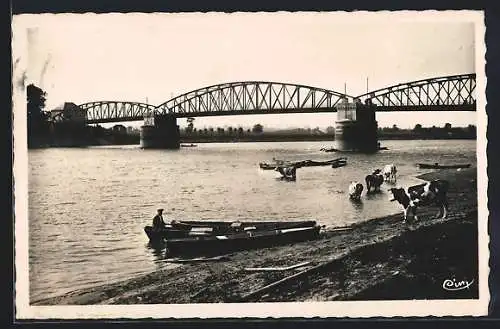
(184, 229)
(339, 164)
(304, 163)
(438, 166)
(215, 245)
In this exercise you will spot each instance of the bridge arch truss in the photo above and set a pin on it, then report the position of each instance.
(252, 97)
(457, 92)
(115, 111)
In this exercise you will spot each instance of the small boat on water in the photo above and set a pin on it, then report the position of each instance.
(441, 166)
(246, 240)
(312, 163)
(276, 163)
(267, 166)
(339, 164)
(189, 145)
(324, 149)
(184, 229)
(303, 163)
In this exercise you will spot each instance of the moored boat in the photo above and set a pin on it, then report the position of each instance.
(438, 166)
(183, 229)
(276, 163)
(303, 163)
(312, 163)
(339, 164)
(226, 243)
(267, 166)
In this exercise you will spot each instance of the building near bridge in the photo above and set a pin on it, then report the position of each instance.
(69, 112)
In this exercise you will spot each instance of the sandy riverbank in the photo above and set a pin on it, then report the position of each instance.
(381, 258)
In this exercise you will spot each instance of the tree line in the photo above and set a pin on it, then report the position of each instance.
(37, 118)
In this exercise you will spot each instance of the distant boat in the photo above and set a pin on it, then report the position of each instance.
(189, 145)
(312, 163)
(303, 163)
(438, 166)
(276, 163)
(339, 164)
(381, 148)
(267, 166)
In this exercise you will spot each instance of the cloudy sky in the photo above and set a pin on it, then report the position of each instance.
(138, 57)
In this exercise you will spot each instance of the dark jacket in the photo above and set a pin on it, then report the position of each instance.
(158, 222)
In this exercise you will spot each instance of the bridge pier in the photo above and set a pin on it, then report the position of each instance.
(356, 128)
(160, 132)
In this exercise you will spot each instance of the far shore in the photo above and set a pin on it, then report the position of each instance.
(269, 139)
(380, 258)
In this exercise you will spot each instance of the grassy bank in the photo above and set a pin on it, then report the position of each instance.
(382, 258)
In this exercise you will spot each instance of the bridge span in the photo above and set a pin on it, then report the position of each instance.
(449, 93)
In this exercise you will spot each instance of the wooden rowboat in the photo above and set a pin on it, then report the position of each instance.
(223, 244)
(184, 229)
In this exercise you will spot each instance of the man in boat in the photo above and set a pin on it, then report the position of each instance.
(158, 223)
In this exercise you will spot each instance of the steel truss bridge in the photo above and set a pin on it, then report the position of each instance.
(450, 93)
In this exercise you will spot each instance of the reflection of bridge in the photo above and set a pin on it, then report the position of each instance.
(451, 93)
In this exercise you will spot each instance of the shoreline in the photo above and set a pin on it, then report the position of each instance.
(230, 140)
(378, 258)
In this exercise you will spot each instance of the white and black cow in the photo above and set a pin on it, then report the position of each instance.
(430, 193)
(390, 172)
(355, 190)
(374, 180)
(287, 173)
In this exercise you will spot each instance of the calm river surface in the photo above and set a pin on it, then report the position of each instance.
(88, 206)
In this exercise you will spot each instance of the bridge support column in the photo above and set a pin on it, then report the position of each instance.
(356, 128)
(160, 132)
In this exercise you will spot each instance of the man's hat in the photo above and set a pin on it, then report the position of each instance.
(160, 209)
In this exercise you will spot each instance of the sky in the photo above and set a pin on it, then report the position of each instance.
(154, 57)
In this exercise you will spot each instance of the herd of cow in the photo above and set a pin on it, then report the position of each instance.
(427, 194)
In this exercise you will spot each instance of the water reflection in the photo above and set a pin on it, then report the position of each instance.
(357, 205)
(157, 249)
(374, 195)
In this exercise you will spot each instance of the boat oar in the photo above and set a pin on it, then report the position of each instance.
(196, 260)
(275, 269)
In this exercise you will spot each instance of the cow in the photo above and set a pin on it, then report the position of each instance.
(355, 190)
(431, 193)
(390, 172)
(374, 180)
(287, 173)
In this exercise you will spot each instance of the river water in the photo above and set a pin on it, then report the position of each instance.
(88, 206)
